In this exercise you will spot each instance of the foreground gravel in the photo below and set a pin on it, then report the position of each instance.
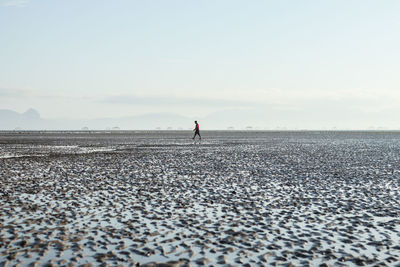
(236, 198)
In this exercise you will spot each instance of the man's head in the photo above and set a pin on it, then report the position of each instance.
(195, 122)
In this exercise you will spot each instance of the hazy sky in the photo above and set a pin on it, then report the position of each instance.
(94, 58)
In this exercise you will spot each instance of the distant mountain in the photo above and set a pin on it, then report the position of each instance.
(31, 120)
(10, 120)
(31, 114)
(6, 114)
(239, 119)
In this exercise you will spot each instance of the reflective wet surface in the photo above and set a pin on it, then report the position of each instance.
(235, 198)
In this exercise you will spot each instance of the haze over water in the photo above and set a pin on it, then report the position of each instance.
(264, 64)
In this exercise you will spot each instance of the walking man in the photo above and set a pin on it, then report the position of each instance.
(196, 130)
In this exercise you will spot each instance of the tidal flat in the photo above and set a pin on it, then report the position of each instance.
(158, 198)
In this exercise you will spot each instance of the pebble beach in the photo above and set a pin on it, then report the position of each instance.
(158, 198)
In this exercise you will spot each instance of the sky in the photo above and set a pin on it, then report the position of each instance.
(298, 64)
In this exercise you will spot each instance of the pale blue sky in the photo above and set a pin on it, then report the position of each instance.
(92, 58)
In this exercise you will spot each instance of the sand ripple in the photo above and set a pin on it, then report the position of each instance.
(255, 199)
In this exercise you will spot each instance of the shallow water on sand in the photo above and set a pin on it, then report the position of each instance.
(235, 198)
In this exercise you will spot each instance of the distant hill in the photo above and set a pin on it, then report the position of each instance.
(31, 120)
(10, 120)
(239, 119)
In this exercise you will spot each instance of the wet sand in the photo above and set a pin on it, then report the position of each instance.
(235, 199)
